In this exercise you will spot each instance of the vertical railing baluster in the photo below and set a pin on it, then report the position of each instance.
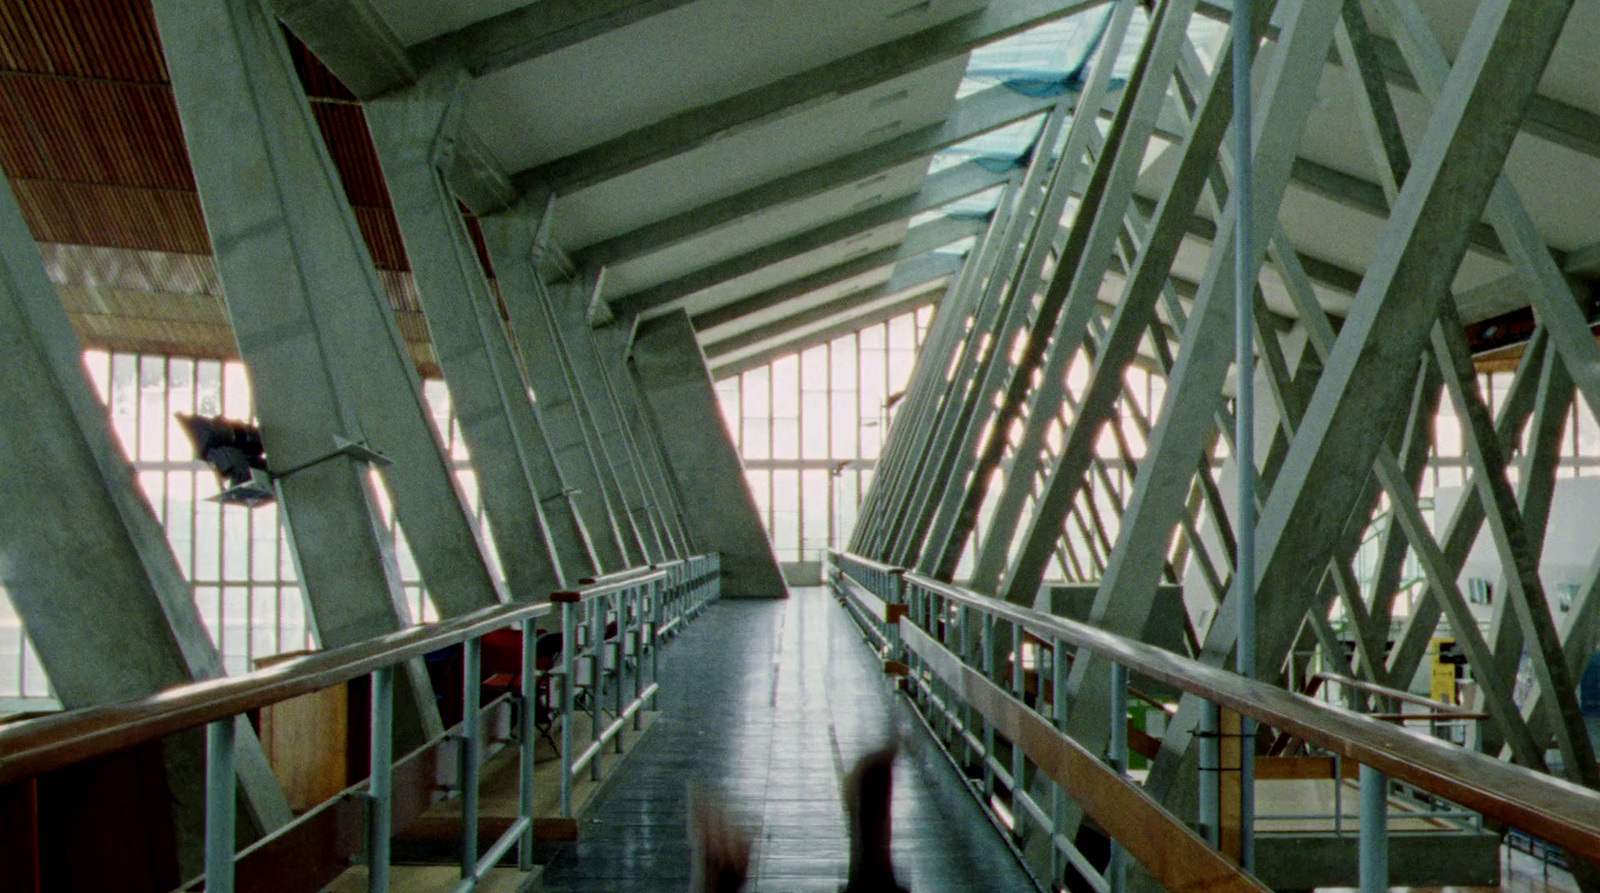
(1374, 843)
(527, 741)
(597, 672)
(986, 647)
(471, 674)
(380, 789)
(220, 806)
(569, 644)
(1019, 687)
(1058, 709)
(1117, 870)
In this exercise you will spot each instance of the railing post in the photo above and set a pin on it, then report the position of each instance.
(897, 596)
(1374, 846)
(380, 789)
(597, 673)
(657, 593)
(636, 628)
(1019, 687)
(1117, 870)
(1058, 710)
(528, 741)
(621, 659)
(987, 660)
(1210, 767)
(220, 800)
(569, 644)
(471, 674)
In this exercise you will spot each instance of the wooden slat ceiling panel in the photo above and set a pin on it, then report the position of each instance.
(111, 216)
(114, 133)
(91, 141)
(100, 39)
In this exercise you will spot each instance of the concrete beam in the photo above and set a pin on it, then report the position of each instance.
(286, 244)
(689, 129)
(528, 32)
(940, 189)
(823, 336)
(505, 438)
(837, 307)
(918, 244)
(671, 373)
(513, 238)
(83, 547)
(971, 117)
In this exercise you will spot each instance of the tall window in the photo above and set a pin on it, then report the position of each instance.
(238, 560)
(809, 427)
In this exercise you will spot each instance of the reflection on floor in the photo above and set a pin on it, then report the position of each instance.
(770, 703)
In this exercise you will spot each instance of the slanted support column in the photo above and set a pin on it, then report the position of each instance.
(682, 401)
(69, 491)
(612, 344)
(515, 245)
(314, 327)
(542, 544)
(570, 318)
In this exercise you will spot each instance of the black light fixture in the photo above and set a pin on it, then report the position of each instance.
(235, 451)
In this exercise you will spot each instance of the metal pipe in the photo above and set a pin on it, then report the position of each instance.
(1244, 418)
(1210, 765)
(522, 827)
(220, 806)
(380, 789)
(1374, 846)
(471, 722)
(1117, 869)
(1058, 712)
(527, 741)
(569, 644)
(597, 669)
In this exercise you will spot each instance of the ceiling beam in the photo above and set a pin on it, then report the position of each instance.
(823, 336)
(940, 189)
(916, 251)
(973, 116)
(528, 32)
(703, 124)
(865, 301)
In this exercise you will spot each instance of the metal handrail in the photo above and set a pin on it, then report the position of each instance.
(1384, 691)
(40, 745)
(37, 746)
(1552, 808)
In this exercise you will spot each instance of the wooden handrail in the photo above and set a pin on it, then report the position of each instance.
(1552, 808)
(41, 745)
(1173, 853)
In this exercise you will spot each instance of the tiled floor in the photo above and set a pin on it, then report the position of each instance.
(769, 703)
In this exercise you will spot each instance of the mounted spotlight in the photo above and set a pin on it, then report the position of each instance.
(235, 451)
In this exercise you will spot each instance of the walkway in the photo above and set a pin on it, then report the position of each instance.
(771, 702)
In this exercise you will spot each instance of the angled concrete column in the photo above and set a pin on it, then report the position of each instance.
(570, 317)
(515, 245)
(612, 344)
(315, 329)
(682, 401)
(70, 492)
(414, 131)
